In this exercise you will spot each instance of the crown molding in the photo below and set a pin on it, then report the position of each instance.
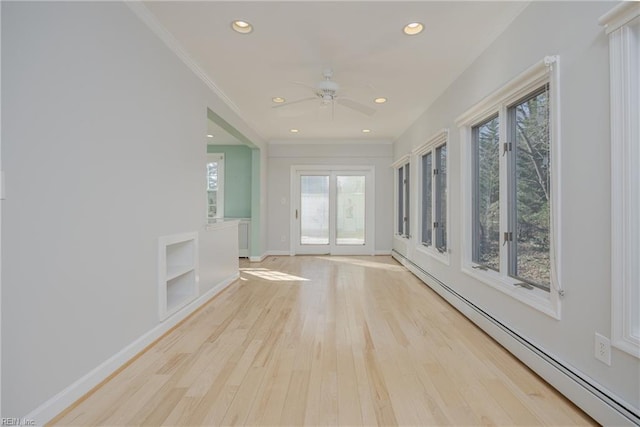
(343, 142)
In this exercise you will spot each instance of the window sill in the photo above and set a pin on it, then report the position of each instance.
(443, 257)
(545, 302)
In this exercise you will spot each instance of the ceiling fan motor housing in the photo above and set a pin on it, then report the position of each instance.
(326, 90)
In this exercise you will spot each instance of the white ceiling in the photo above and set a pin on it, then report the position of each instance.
(361, 41)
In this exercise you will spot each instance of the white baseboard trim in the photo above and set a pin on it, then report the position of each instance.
(288, 253)
(383, 252)
(268, 253)
(258, 258)
(279, 253)
(61, 401)
(593, 398)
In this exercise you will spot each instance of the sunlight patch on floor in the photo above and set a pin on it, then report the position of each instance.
(276, 276)
(364, 263)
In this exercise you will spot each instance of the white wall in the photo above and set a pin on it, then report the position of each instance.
(571, 30)
(282, 156)
(103, 146)
(218, 250)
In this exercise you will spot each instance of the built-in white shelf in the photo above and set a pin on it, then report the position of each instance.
(177, 272)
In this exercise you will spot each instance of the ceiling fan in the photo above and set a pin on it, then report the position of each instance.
(327, 92)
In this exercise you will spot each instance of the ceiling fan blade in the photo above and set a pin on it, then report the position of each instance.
(355, 105)
(303, 84)
(286, 104)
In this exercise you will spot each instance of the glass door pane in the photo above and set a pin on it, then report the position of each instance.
(350, 228)
(314, 210)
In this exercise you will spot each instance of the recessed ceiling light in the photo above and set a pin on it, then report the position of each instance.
(366, 130)
(293, 130)
(278, 99)
(242, 27)
(413, 28)
(380, 100)
(209, 136)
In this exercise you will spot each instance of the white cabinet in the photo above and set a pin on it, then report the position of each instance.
(177, 272)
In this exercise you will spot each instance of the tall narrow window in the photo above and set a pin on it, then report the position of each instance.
(400, 206)
(530, 189)
(404, 200)
(407, 200)
(215, 186)
(486, 194)
(427, 199)
(433, 192)
(441, 198)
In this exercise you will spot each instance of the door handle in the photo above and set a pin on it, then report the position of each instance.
(296, 213)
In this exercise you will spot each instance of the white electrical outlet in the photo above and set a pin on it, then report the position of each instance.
(603, 349)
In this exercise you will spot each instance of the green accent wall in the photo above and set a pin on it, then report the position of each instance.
(237, 179)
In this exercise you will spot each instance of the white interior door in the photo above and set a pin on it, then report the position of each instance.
(333, 211)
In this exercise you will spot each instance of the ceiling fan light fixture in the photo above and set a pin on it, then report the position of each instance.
(380, 100)
(366, 130)
(278, 99)
(413, 28)
(242, 27)
(294, 130)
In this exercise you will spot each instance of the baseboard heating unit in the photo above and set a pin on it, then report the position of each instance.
(600, 403)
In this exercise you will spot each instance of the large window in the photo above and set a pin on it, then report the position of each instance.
(403, 200)
(510, 186)
(525, 154)
(433, 204)
(623, 26)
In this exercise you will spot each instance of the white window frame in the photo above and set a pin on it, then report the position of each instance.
(543, 72)
(438, 140)
(622, 24)
(217, 157)
(402, 163)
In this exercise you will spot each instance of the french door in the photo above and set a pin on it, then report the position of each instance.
(333, 210)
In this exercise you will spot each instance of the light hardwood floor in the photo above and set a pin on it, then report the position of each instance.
(325, 341)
